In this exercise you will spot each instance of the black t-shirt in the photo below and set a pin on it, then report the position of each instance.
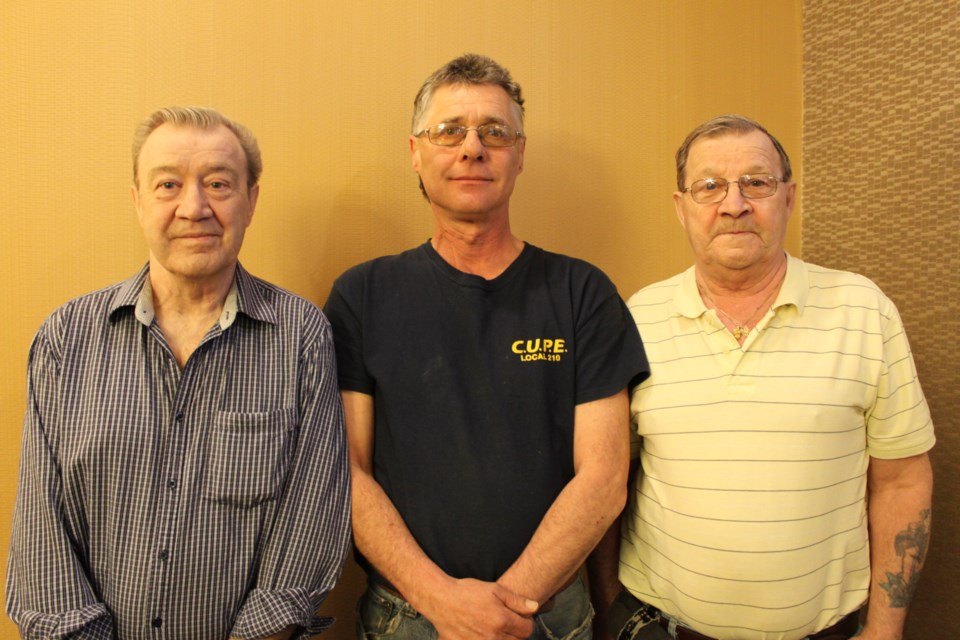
(475, 383)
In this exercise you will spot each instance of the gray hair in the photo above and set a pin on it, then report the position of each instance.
(721, 126)
(470, 68)
(201, 118)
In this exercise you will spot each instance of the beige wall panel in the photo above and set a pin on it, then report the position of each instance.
(612, 87)
(881, 151)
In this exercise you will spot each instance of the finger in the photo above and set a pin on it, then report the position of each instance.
(515, 602)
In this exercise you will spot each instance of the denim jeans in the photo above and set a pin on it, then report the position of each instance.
(381, 614)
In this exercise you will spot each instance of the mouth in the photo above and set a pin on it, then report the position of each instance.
(197, 236)
(733, 232)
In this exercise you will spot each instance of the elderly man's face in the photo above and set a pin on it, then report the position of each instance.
(193, 201)
(468, 181)
(736, 233)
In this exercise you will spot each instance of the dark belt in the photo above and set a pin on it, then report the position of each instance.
(629, 614)
(840, 631)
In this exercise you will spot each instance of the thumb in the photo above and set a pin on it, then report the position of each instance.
(517, 603)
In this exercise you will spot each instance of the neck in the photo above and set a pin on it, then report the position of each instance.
(197, 297)
(185, 309)
(482, 249)
(741, 303)
(721, 282)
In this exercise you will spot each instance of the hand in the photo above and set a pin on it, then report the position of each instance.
(475, 609)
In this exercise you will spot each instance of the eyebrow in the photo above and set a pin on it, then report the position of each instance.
(204, 170)
(752, 170)
(484, 120)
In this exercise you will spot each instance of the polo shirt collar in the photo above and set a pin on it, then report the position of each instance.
(793, 291)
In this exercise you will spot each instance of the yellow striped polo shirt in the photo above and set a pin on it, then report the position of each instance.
(749, 518)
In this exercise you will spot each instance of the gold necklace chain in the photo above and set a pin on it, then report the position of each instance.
(740, 329)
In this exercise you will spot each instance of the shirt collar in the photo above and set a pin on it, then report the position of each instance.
(245, 296)
(793, 291)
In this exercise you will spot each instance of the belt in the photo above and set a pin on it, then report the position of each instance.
(842, 630)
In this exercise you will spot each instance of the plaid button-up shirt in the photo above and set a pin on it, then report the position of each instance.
(202, 503)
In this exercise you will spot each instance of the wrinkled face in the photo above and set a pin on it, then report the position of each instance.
(193, 201)
(736, 233)
(468, 181)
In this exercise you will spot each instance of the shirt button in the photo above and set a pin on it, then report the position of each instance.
(179, 417)
(164, 554)
(157, 623)
(171, 484)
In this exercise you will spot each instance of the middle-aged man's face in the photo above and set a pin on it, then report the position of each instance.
(193, 200)
(736, 233)
(468, 181)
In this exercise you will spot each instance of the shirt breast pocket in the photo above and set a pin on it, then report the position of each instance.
(248, 456)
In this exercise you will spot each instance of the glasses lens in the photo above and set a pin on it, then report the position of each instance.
(758, 186)
(446, 134)
(497, 135)
(709, 190)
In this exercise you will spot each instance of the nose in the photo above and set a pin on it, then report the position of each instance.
(733, 203)
(472, 147)
(194, 203)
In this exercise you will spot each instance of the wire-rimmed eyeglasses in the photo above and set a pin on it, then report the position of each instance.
(450, 134)
(714, 190)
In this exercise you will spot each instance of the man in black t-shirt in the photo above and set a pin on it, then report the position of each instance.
(484, 382)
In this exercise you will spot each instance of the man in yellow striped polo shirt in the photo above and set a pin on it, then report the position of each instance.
(783, 435)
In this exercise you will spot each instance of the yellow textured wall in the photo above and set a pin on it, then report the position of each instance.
(612, 87)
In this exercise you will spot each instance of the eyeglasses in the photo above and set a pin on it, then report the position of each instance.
(714, 190)
(450, 134)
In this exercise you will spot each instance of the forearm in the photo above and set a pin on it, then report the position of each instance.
(899, 513)
(572, 527)
(587, 506)
(383, 538)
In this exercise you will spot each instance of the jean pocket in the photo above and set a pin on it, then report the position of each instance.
(248, 456)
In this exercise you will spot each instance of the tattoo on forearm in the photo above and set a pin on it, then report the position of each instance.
(911, 545)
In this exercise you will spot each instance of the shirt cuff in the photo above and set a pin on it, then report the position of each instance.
(92, 622)
(268, 612)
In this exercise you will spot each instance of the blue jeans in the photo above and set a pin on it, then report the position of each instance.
(381, 614)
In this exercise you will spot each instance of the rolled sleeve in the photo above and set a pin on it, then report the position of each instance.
(267, 612)
(88, 623)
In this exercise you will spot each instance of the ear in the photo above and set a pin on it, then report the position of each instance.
(791, 197)
(252, 197)
(522, 143)
(678, 207)
(414, 153)
(135, 196)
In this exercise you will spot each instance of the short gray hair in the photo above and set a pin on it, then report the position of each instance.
(721, 126)
(201, 118)
(470, 68)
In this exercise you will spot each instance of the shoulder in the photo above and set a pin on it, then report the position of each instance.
(79, 320)
(382, 273)
(273, 304)
(575, 272)
(656, 302)
(658, 292)
(836, 287)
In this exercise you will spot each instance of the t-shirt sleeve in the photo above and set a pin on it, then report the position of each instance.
(344, 310)
(899, 424)
(610, 354)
